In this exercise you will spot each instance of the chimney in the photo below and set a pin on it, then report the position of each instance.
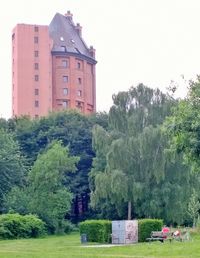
(78, 29)
(69, 15)
(92, 51)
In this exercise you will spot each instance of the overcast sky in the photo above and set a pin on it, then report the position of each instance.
(148, 41)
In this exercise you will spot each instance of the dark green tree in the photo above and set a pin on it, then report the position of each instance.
(131, 166)
(194, 208)
(75, 131)
(183, 126)
(45, 194)
(12, 170)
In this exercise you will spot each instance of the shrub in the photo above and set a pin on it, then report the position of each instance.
(97, 230)
(64, 227)
(18, 226)
(145, 226)
(35, 226)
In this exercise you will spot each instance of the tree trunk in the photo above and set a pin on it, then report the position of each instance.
(129, 210)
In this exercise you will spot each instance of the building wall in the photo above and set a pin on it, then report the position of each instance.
(32, 70)
(38, 75)
(74, 85)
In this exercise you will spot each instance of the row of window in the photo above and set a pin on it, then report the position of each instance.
(65, 64)
(65, 92)
(65, 104)
(36, 65)
(66, 79)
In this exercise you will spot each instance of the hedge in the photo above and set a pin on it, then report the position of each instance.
(100, 230)
(97, 230)
(17, 226)
(145, 226)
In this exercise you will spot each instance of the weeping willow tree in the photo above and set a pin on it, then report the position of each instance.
(131, 163)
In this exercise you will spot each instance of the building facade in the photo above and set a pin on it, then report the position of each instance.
(52, 69)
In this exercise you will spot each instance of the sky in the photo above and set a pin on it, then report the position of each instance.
(152, 42)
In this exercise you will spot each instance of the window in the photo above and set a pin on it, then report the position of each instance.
(65, 78)
(36, 29)
(64, 63)
(36, 103)
(79, 65)
(36, 53)
(63, 48)
(65, 91)
(36, 66)
(79, 80)
(79, 105)
(36, 40)
(79, 93)
(13, 36)
(65, 104)
(36, 92)
(36, 77)
(36, 116)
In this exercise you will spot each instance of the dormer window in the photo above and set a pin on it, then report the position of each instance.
(61, 39)
(63, 48)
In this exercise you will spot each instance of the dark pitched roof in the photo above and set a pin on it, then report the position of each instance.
(64, 33)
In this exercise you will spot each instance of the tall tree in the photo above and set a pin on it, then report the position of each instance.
(194, 208)
(12, 170)
(50, 199)
(183, 126)
(130, 159)
(75, 131)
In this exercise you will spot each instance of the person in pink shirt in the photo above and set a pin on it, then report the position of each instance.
(165, 231)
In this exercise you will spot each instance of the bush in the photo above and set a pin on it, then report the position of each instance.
(145, 226)
(18, 226)
(64, 227)
(97, 230)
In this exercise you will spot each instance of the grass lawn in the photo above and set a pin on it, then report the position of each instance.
(69, 246)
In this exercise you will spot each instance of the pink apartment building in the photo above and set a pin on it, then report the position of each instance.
(52, 69)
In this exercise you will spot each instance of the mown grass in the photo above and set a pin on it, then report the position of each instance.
(69, 246)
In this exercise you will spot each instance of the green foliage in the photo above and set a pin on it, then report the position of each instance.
(50, 199)
(12, 170)
(146, 226)
(74, 130)
(97, 230)
(183, 126)
(18, 200)
(194, 208)
(132, 162)
(18, 226)
(45, 193)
